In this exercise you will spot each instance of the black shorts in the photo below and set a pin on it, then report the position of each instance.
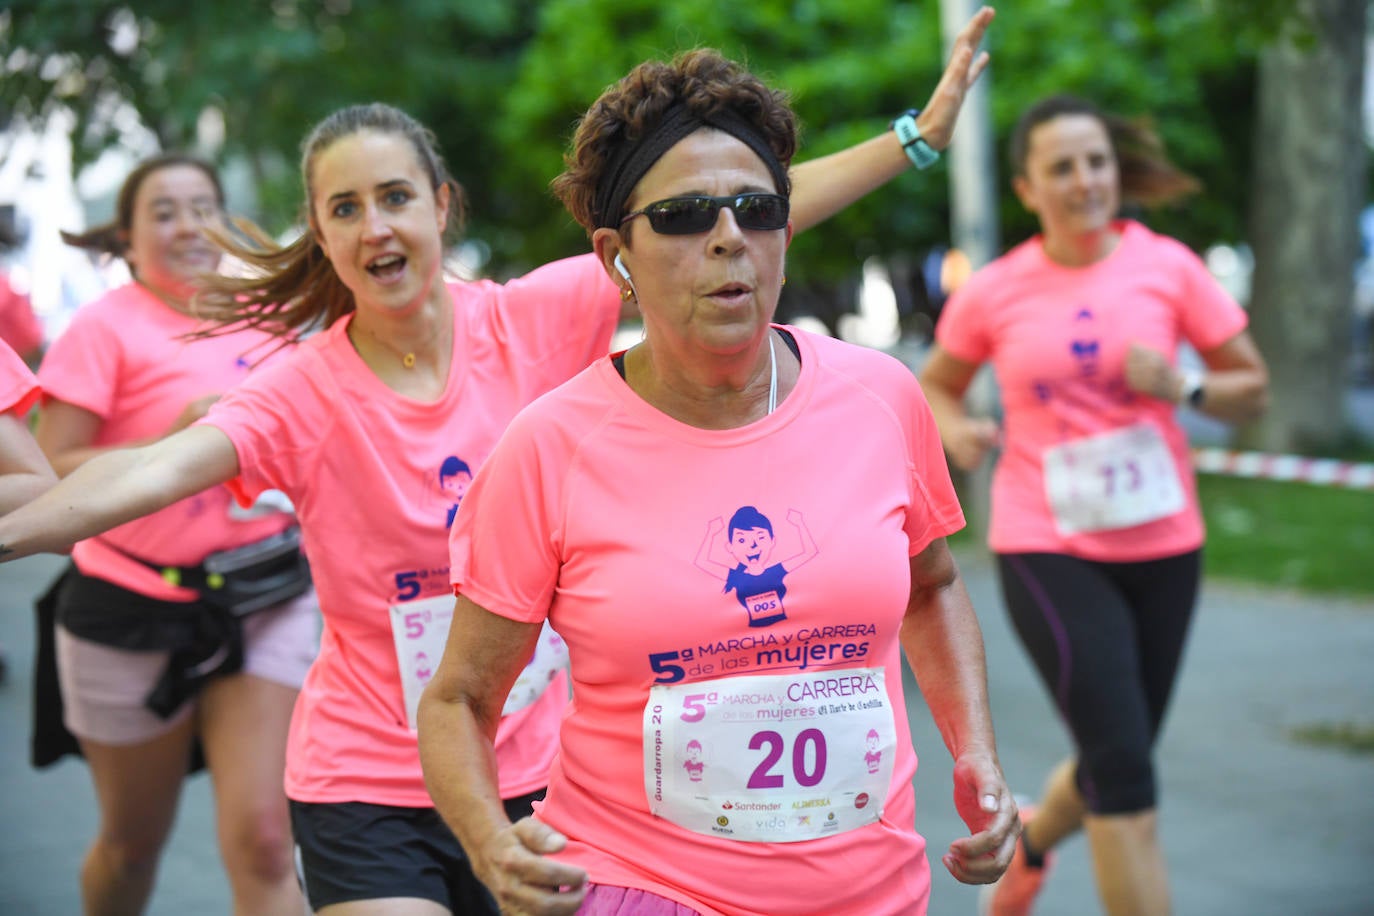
(350, 851)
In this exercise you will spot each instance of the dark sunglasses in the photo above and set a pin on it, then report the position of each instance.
(690, 215)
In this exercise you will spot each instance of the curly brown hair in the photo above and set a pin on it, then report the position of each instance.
(294, 287)
(701, 79)
(1147, 176)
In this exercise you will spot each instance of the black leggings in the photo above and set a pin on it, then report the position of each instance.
(1107, 639)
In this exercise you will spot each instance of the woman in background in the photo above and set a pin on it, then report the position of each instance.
(148, 665)
(1095, 519)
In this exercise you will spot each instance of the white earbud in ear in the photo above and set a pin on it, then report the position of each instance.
(620, 266)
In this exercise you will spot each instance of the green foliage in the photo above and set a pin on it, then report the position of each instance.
(849, 65)
(271, 69)
(502, 82)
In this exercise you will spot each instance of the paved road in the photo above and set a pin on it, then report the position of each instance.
(1254, 823)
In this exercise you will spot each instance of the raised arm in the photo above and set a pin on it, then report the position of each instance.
(24, 471)
(825, 186)
(703, 560)
(944, 645)
(118, 486)
(458, 716)
(808, 549)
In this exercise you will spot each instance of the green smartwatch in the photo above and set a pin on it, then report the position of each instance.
(921, 154)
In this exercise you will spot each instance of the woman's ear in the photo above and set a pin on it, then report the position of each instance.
(125, 248)
(443, 196)
(314, 229)
(1024, 193)
(608, 245)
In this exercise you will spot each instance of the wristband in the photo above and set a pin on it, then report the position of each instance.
(1191, 391)
(921, 153)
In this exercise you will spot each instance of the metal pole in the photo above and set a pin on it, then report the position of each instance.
(972, 168)
(974, 228)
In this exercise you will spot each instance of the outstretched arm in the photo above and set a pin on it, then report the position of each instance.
(118, 486)
(24, 472)
(825, 186)
(66, 432)
(944, 645)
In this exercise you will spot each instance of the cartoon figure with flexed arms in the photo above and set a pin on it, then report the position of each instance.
(749, 541)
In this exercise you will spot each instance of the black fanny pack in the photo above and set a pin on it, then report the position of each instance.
(245, 579)
(205, 636)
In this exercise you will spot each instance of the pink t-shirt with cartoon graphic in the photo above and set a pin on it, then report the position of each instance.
(1057, 338)
(677, 559)
(124, 359)
(375, 478)
(19, 389)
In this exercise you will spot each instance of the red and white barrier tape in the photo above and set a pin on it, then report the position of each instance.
(1326, 472)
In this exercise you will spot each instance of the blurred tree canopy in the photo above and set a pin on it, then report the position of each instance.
(270, 70)
(501, 82)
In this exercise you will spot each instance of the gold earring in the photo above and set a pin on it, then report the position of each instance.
(626, 294)
(784, 280)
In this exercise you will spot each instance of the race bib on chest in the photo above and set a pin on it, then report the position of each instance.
(1114, 480)
(420, 630)
(764, 608)
(770, 758)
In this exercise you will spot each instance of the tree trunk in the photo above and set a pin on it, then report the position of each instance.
(1308, 190)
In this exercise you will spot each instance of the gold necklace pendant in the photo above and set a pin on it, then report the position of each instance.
(408, 360)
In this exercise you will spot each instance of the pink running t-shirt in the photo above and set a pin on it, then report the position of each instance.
(375, 478)
(124, 359)
(1057, 338)
(19, 326)
(19, 389)
(611, 518)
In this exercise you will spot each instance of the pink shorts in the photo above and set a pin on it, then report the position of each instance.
(609, 900)
(103, 688)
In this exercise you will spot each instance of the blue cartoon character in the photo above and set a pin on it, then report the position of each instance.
(693, 764)
(454, 478)
(1085, 349)
(749, 541)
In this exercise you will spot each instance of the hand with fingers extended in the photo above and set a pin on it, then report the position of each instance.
(966, 63)
(515, 867)
(985, 803)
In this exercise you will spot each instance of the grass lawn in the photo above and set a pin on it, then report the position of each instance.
(1295, 535)
(1271, 532)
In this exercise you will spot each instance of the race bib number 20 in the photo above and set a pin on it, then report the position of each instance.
(770, 758)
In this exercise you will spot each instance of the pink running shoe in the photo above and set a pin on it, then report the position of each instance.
(1014, 894)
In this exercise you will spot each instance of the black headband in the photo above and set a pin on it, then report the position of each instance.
(635, 158)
